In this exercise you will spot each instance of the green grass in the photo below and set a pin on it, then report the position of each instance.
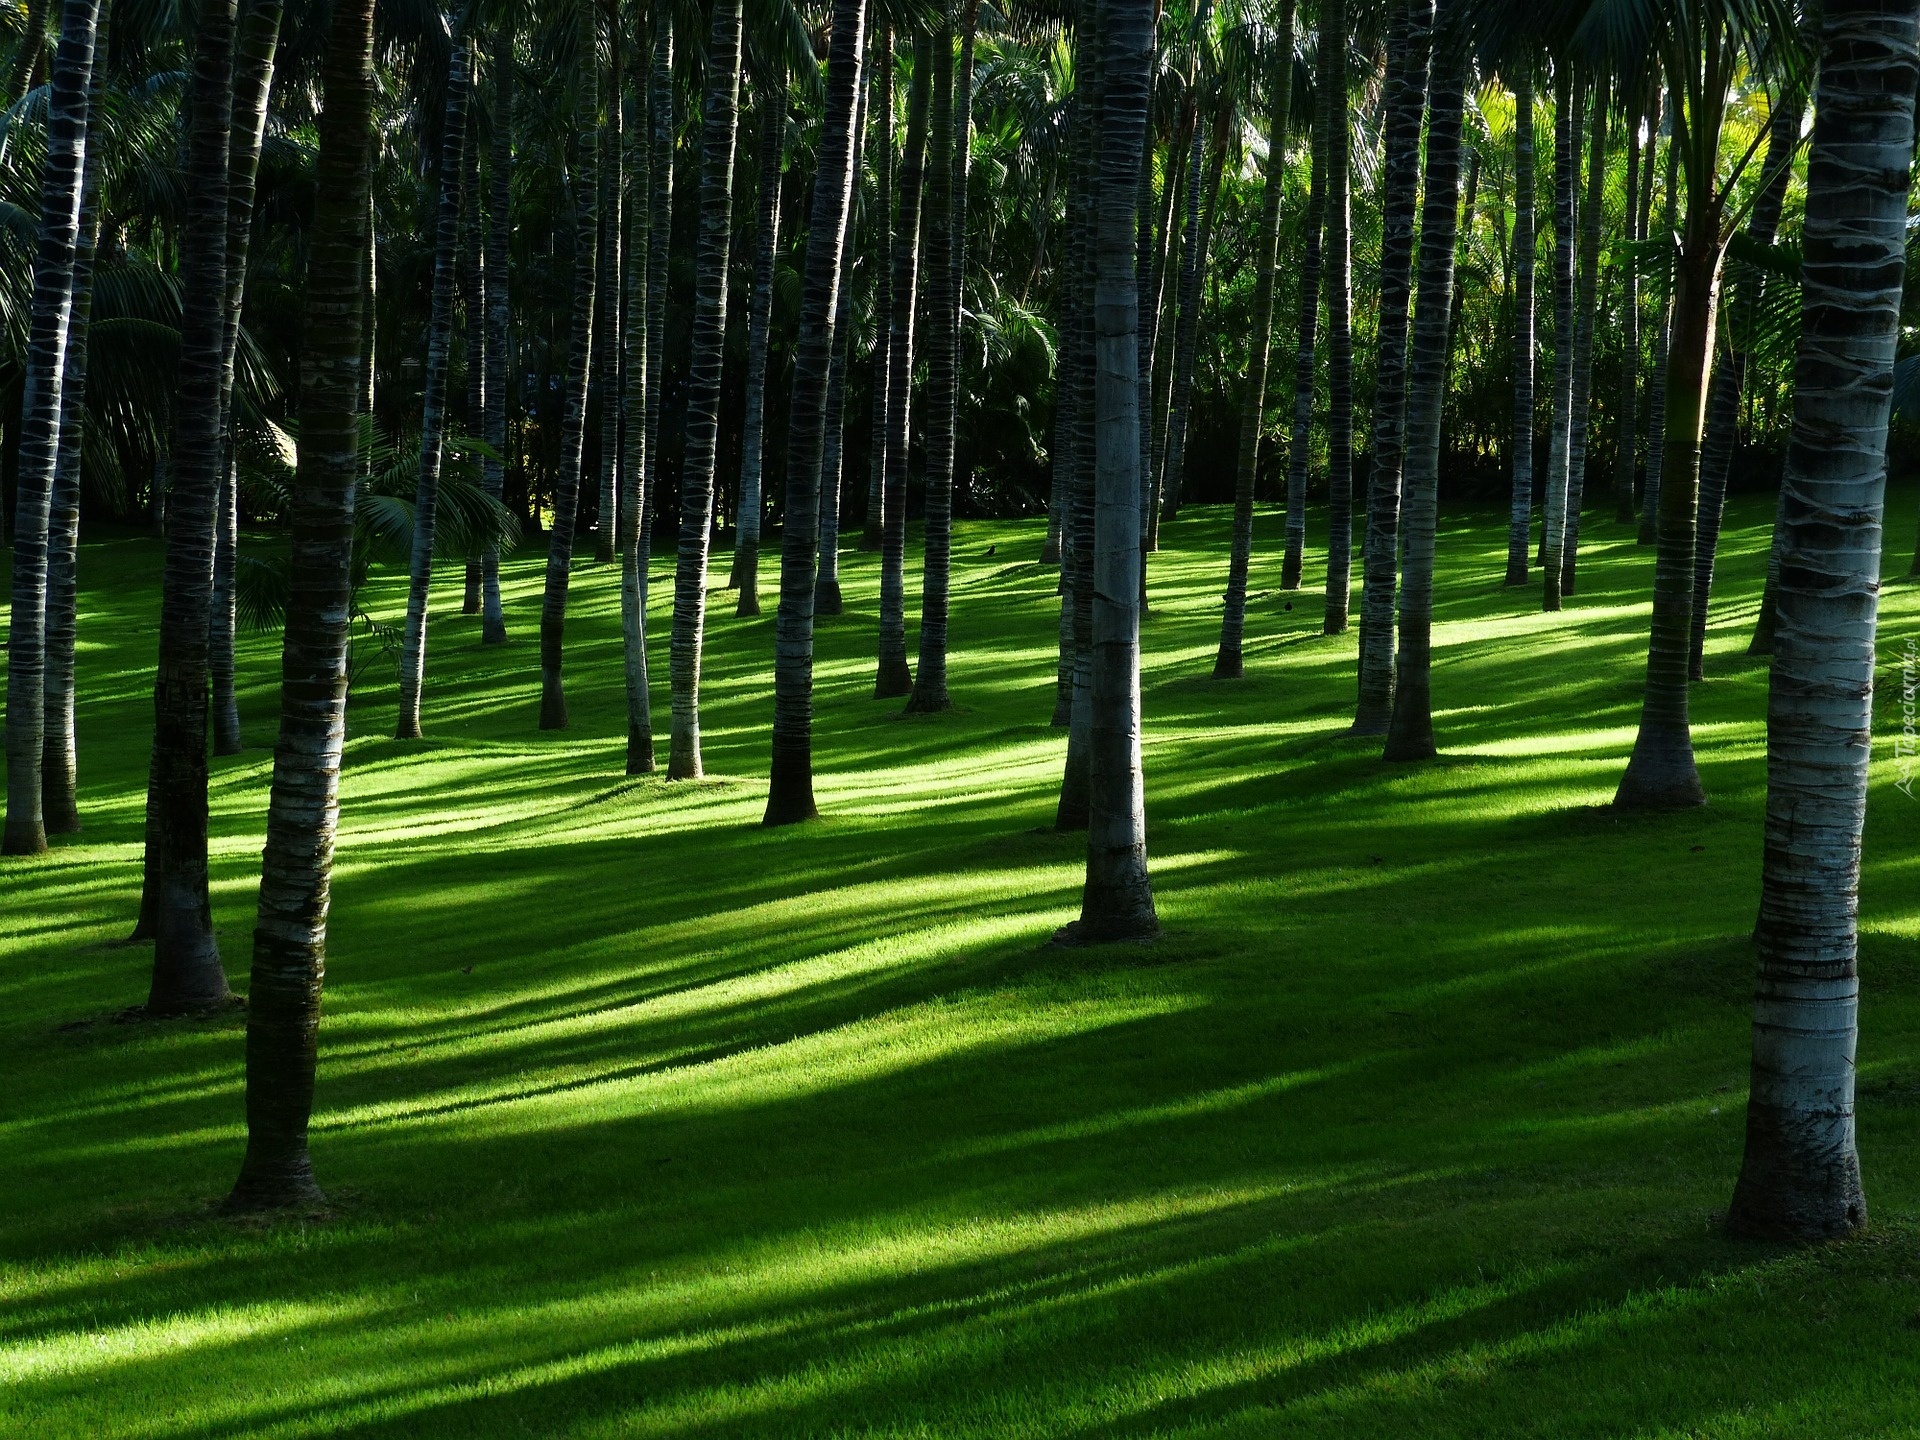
(641, 1120)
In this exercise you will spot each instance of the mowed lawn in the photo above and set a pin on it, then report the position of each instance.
(641, 1120)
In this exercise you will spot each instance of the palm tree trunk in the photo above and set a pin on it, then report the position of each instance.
(1410, 734)
(894, 678)
(499, 227)
(962, 155)
(703, 387)
(586, 270)
(186, 959)
(1588, 288)
(27, 55)
(61, 190)
(1117, 902)
(833, 466)
(1626, 461)
(607, 339)
(880, 389)
(1767, 623)
(473, 310)
(660, 103)
(1662, 341)
(1800, 1179)
(1729, 378)
(1338, 259)
(929, 694)
(1520, 514)
(60, 753)
(635, 528)
(1566, 184)
(289, 938)
(790, 793)
(1310, 277)
(1409, 49)
(258, 36)
(1162, 318)
(1201, 190)
(772, 141)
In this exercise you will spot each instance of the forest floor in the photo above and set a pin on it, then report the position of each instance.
(639, 1119)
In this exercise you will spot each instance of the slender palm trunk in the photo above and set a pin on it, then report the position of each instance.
(608, 291)
(290, 934)
(1203, 188)
(1338, 258)
(969, 25)
(1162, 318)
(703, 387)
(929, 694)
(499, 228)
(1303, 375)
(893, 677)
(880, 389)
(1566, 183)
(772, 143)
(635, 526)
(1626, 430)
(573, 425)
(1662, 342)
(1520, 513)
(61, 190)
(1228, 662)
(433, 401)
(473, 310)
(186, 958)
(1409, 48)
(1730, 375)
(1410, 734)
(1117, 903)
(60, 751)
(660, 104)
(32, 40)
(1580, 404)
(790, 793)
(1800, 1178)
(258, 36)
(833, 467)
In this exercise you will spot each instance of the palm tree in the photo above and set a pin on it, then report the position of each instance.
(1730, 373)
(929, 693)
(1662, 335)
(473, 302)
(433, 401)
(635, 518)
(1338, 280)
(1228, 664)
(1566, 184)
(1203, 194)
(1410, 734)
(880, 389)
(1585, 300)
(566, 489)
(773, 136)
(1520, 515)
(608, 341)
(289, 938)
(1626, 430)
(790, 794)
(893, 677)
(660, 105)
(32, 39)
(1117, 903)
(1409, 45)
(703, 387)
(186, 958)
(499, 225)
(1301, 434)
(61, 190)
(1801, 1175)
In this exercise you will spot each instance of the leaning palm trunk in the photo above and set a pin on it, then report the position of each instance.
(62, 186)
(1117, 903)
(608, 341)
(1587, 290)
(1228, 663)
(1800, 1179)
(1520, 513)
(929, 694)
(635, 522)
(1566, 181)
(880, 389)
(1729, 379)
(1662, 340)
(1338, 258)
(790, 794)
(893, 678)
(499, 225)
(573, 424)
(60, 751)
(290, 935)
(253, 83)
(433, 401)
(1298, 441)
(772, 140)
(1409, 42)
(1410, 735)
(703, 388)
(186, 959)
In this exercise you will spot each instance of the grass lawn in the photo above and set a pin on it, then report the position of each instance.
(641, 1120)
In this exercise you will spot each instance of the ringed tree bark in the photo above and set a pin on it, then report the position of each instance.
(718, 126)
(790, 793)
(186, 958)
(473, 298)
(499, 224)
(290, 935)
(433, 401)
(635, 518)
(660, 105)
(880, 389)
(1410, 734)
(61, 188)
(1338, 280)
(1520, 515)
(1566, 183)
(772, 142)
(573, 423)
(1409, 47)
(1800, 1178)
(608, 341)
(1302, 432)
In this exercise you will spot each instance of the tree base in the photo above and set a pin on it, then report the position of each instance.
(749, 605)
(285, 1184)
(493, 632)
(408, 727)
(1334, 625)
(1062, 712)
(1126, 930)
(1370, 723)
(1228, 665)
(62, 818)
(23, 837)
(226, 731)
(826, 599)
(923, 702)
(553, 703)
(1050, 556)
(188, 978)
(684, 764)
(1290, 575)
(1660, 775)
(790, 798)
(1785, 1192)
(639, 751)
(893, 681)
(602, 554)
